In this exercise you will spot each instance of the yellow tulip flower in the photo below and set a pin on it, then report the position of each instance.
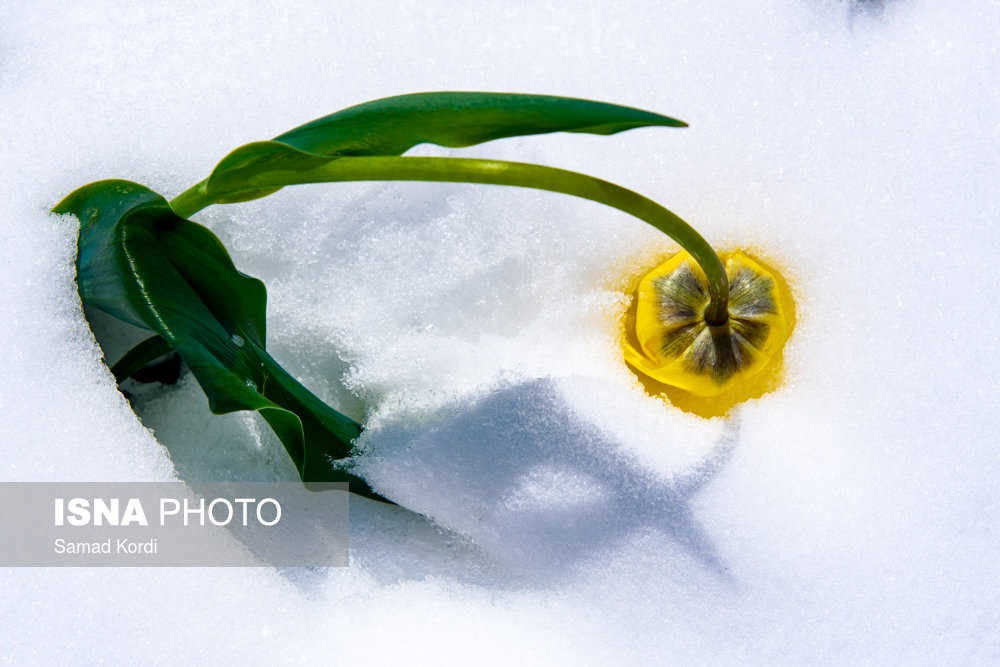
(708, 368)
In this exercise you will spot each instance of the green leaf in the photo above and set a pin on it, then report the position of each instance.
(139, 357)
(393, 125)
(142, 263)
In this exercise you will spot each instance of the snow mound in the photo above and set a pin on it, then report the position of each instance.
(539, 483)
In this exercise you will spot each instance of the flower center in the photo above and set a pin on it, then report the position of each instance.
(673, 348)
(722, 350)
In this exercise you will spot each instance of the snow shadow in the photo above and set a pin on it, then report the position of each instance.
(535, 484)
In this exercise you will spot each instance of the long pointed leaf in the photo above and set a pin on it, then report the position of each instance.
(142, 263)
(393, 125)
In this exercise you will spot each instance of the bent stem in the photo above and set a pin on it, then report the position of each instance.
(489, 172)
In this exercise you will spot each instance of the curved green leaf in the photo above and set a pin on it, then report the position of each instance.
(393, 125)
(139, 357)
(142, 263)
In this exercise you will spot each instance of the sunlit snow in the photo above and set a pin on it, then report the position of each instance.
(559, 514)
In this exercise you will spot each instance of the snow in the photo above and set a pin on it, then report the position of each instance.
(568, 518)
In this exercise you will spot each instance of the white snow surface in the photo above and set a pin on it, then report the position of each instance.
(559, 514)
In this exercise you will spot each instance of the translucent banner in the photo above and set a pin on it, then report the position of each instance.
(174, 524)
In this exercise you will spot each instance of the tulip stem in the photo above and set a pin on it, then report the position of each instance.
(491, 172)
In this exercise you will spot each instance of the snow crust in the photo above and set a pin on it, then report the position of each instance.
(559, 514)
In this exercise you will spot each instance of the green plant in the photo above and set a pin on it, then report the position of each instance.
(141, 260)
